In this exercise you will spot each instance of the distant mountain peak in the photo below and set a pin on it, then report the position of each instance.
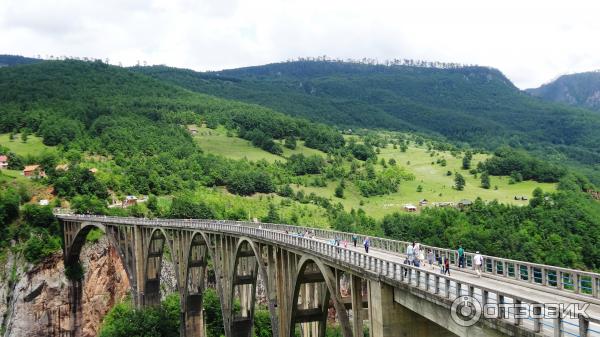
(580, 89)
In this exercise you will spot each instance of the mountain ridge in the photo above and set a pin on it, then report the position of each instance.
(579, 89)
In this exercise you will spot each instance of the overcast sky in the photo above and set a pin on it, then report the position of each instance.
(531, 41)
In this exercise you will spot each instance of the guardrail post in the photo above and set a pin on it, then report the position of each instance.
(558, 324)
(458, 289)
(577, 283)
(559, 280)
(584, 325)
(501, 309)
(447, 288)
(537, 318)
(437, 284)
(518, 319)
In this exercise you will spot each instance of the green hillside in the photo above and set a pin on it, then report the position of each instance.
(477, 105)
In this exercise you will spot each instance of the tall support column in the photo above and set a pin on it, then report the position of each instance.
(139, 265)
(357, 305)
(390, 319)
(272, 295)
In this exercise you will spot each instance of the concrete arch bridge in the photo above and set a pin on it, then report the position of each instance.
(302, 276)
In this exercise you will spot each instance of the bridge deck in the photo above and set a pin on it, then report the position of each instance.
(570, 326)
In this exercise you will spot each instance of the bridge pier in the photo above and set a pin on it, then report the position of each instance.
(390, 319)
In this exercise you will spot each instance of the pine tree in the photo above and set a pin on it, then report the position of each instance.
(485, 180)
(459, 181)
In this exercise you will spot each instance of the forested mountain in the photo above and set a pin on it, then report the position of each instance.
(13, 60)
(581, 89)
(477, 105)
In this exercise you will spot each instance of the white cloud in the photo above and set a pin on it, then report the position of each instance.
(531, 42)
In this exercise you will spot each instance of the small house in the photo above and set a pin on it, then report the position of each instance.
(130, 200)
(410, 208)
(464, 203)
(423, 202)
(33, 171)
(3, 162)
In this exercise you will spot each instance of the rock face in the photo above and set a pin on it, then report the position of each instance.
(41, 301)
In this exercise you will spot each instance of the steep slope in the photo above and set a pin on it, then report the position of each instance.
(472, 104)
(581, 90)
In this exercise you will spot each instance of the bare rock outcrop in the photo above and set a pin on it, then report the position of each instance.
(42, 298)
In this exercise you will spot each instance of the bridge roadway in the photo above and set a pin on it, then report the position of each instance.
(399, 296)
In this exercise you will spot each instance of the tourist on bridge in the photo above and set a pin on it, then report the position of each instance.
(410, 253)
(461, 256)
(354, 239)
(478, 263)
(446, 266)
(417, 253)
(367, 243)
(430, 257)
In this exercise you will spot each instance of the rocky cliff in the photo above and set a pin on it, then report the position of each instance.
(36, 300)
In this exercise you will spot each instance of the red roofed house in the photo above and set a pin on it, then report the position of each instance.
(34, 171)
(3, 162)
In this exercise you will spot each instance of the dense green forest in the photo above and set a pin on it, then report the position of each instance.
(477, 105)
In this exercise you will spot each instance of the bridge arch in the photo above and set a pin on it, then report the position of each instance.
(153, 255)
(249, 261)
(198, 252)
(314, 286)
(73, 248)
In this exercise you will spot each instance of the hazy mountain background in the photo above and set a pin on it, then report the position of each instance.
(581, 90)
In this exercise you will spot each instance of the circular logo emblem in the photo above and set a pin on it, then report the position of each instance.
(466, 310)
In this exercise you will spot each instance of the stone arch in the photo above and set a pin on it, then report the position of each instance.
(153, 258)
(316, 282)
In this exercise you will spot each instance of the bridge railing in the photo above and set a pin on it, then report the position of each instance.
(542, 318)
(577, 282)
(563, 279)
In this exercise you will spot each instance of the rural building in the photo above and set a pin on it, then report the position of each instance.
(443, 204)
(410, 208)
(3, 162)
(423, 202)
(34, 171)
(93, 170)
(464, 203)
(130, 200)
(44, 202)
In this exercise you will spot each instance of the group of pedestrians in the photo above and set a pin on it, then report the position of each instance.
(415, 256)
(477, 260)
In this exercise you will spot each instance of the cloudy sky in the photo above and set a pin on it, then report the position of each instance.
(531, 41)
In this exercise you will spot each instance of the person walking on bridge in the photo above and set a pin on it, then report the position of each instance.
(461, 256)
(478, 263)
(410, 253)
(367, 243)
(354, 239)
